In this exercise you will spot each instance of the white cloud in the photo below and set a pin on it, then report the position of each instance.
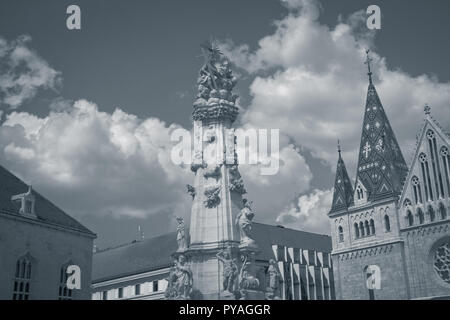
(116, 163)
(309, 213)
(24, 72)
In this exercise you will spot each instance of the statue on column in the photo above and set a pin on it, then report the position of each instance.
(275, 280)
(230, 269)
(181, 235)
(171, 289)
(244, 222)
(184, 278)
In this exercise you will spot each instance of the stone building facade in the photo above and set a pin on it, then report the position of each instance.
(38, 241)
(391, 232)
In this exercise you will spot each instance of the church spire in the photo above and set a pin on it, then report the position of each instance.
(381, 166)
(343, 191)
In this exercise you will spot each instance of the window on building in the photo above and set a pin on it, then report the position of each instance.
(341, 234)
(387, 223)
(442, 211)
(420, 216)
(445, 156)
(431, 213)
(63, 292)
(120, 293)
(360, 193)
(356, 230)
(417, 190)
(137, 289)
(372, 226)
(22, 279)
(426, 176)
(105, 295)
(155, 286)
(361, 229)
(435, 164)
(410, 218)
(366, 225)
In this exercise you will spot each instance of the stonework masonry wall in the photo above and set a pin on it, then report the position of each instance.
(350, 278)
(420, 243)
(50, 248)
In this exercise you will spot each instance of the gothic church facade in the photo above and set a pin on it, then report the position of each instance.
(391, 232)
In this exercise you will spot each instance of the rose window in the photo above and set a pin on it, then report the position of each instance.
(442, 261)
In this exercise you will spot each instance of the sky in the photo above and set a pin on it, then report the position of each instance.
(86, 115)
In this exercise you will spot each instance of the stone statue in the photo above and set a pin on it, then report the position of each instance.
(181, 235)
(171, 290)
(274, 281)
(184, 279)
(212, 196)
(244, 221)
(230, 269)
(247, 279)
(191, 190)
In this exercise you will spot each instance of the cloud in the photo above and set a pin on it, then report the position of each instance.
(23, 73)
(309, 213)
(92, 162)
(310, 82)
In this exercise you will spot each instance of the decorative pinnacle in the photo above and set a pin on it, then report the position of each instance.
(427, 109)
(368, 61)
(339, 147)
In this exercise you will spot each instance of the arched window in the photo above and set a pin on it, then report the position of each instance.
(445, 156)
(431, 213)
(387, 223)
(64, 293)
(435, 164)
(356, 230)
(22, 279)
(442, 211)
(372, 226)
(341, 234)
(417, 190)
(410, 218)
(366, 224)
(426, 176)
(420, 215)
(360, 193)
(361, 229)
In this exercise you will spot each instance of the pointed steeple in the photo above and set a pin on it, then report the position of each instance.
(343, 191)
(381, 166)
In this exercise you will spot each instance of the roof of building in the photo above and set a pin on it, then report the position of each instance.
(343, 190)
(381, 166)
(45, 211)
(156, 253)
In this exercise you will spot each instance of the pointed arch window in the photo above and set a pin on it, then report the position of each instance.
(426, 176)
(360, 193)
(341, 234)
(445, 156)
(417, 190)
(366, 225)
(64, 293)
(22, 279)
(420, 216)
(387, 223)
(356, 230)
(442, 211)
(372, 226)
(361, 229)
(410, 218)
(431, 213)
(435, 164)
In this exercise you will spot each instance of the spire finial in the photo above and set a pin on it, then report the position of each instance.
(339, 147)
(368, 61)
(427, 109)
